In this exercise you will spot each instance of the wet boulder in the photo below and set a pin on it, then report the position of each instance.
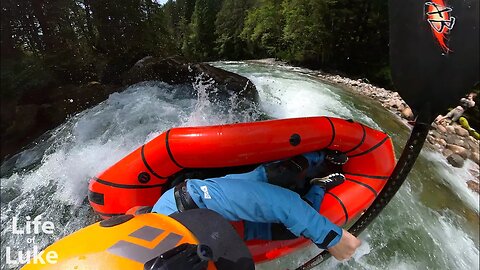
(456, 140)
(176, 70)
(455, 160)
(407, 113)
(169, 70)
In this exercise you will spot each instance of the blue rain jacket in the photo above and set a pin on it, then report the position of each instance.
(249, 197)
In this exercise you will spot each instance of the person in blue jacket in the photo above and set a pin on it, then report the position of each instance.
(270, 195)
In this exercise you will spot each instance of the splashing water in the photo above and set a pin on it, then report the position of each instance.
(431, 224)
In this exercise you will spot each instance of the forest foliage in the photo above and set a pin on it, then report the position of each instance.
(54, 42)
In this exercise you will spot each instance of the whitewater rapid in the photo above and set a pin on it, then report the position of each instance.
(431, 224)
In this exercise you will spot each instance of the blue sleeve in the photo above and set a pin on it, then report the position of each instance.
(262, 202)
(303, 219)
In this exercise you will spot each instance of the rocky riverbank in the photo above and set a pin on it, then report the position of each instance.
(450, 139)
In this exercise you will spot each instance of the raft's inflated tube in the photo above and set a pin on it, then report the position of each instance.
(141, 177)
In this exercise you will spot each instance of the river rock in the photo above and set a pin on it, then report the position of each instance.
(227, 82)
(464, 153)
(176, 70)
(395, 103)
(456, 140)
(447, 152)
(169, 70)
(461, 131)
(441, 128)
(442, 142)
(455, 160)
(475, 157)
(473, 144)
(431, 139)
(450, 129)
(407, 113)
(473, 185)
(435, 134)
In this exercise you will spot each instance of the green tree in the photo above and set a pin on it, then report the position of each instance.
(359, 41)
(200, 42)
(229, 26)
(264, 28)
(128, 32)
(305, 33)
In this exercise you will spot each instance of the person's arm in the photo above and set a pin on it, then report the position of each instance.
(262, 202)
(346, 247)
(304, 220)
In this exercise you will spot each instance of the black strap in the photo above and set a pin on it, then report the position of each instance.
(211, 229)
(182, 198)
(289, 173)
(328, 239)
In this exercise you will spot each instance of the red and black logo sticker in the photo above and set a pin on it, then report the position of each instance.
(441, 21)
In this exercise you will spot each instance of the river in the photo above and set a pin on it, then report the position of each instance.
(432, 223)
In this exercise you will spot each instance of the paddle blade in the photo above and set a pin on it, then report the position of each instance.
(434, 51)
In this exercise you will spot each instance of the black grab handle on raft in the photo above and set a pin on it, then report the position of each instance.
(404, 165)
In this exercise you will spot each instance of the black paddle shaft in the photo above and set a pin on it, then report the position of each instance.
(434, 58)
(404, 165)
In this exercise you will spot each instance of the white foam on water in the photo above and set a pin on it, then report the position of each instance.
(462, 251)
(90, 142)
(284, 94)
(457, 178)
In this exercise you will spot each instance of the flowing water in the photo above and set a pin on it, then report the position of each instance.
(432, 223)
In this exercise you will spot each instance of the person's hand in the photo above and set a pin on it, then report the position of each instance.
(346, 247)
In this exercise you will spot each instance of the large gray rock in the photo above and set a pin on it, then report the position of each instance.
(435, 134)
(442, 142)
(473, 144)
(170, 70)
(178, 71)
(455, 160)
